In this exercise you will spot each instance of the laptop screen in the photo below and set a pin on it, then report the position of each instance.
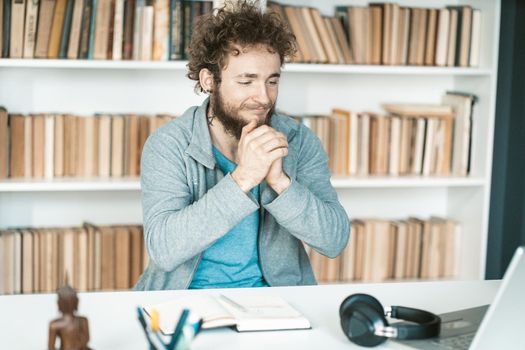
(503, 325)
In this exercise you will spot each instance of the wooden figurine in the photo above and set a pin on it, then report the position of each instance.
(72, 330)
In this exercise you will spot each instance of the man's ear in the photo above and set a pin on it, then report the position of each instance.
(206, 80)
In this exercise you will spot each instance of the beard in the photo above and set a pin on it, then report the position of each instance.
(230, 118)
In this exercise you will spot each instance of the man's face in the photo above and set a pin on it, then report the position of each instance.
(248, 89)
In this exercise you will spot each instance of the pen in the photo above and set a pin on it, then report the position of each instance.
(178, 329)
(145, 328)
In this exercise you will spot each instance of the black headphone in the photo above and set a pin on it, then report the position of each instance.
(364, 323)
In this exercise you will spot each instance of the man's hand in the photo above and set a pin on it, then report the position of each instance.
(259, 148)
(276, 177)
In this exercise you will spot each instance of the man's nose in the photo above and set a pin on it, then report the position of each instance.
(262, 96)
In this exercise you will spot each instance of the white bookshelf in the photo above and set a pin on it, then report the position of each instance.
(288, 68)
(87, 87)
(133, 184)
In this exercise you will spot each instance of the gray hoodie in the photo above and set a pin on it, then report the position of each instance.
(188, 204)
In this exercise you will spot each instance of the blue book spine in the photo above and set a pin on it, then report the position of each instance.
(92, 29)
(66, 31)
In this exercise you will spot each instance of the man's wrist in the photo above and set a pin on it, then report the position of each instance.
(242, 181)
(281, 184)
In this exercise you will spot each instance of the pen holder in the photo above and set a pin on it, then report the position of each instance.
(185, 331)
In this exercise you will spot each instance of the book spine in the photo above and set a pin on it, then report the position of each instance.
(6, 27)
(1, 28)
(176, 29)
(30, 28)
(73, 46)
(64, 42)
(93, 24)
(111, 29)
(83, 47)
(129, 19)
(56, 29)
(18, 8)
(118, 30)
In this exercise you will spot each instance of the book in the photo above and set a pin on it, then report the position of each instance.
(452, 37)
(442, 37)
(403, 36)
(58, 146)
(146, 33)
(16, 41)
(101, 30)
(176, 25)
(76, 26)
(30, 28)
(245, 313)
(431, 37)
(57, 26)
(462, 104)
(475, 39)
(84, 40)
(118, 30)
(66, 30)
(418, 110)
(2, 4)
(4, 144)
(325, 39)
(17, 149)
(39, 135)
(122, 257)
(161, 30)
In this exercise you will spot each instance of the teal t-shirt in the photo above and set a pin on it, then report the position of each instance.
(233, 260)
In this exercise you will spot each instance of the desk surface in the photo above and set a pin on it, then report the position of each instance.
(113, 323)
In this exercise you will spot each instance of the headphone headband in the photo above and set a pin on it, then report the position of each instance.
(428, 324)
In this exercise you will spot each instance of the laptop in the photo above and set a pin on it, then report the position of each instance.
(498, 326)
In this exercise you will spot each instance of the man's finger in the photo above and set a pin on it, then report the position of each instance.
(274, 144)
(248, 127)
(277, 153)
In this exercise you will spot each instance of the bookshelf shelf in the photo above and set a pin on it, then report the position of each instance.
(290, 67)
(382, 70)
(406, 182)
(70, 184)
(133, 184)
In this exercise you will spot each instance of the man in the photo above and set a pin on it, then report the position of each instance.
(231, 190)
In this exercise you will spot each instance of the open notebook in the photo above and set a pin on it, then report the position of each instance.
(245, 313)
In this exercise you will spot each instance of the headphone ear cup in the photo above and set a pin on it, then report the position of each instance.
(361, 298)
(361, 315)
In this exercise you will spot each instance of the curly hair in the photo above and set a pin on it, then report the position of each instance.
(243, 24)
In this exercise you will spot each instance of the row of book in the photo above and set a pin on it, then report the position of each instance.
(381, 33)
(92, 258)
(386, 33)
(382, 250)
(38, 260)
(411, 139)
(98, 29)
(55, 145)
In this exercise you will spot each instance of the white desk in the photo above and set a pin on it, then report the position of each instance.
(114, 325)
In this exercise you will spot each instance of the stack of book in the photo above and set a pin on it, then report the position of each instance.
(381, 250)
(157, 30)
(91, 258)
(54, 145)
(385, 33)
(411, 139)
